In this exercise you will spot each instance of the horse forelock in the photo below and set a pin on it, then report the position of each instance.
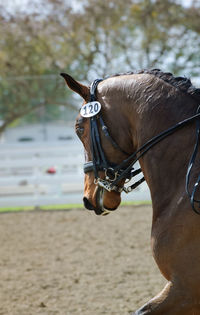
(181, 83)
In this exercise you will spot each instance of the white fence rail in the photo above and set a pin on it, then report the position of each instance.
(24, 180)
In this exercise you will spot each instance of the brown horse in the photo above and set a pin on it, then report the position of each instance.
(135, 108)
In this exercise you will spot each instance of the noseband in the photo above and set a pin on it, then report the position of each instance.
(114, 174)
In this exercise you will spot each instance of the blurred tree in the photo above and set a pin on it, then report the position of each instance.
(142, 34)
(27, 62)
(89, 38)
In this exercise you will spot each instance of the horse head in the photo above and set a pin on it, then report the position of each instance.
(152, 117)
(96, 197)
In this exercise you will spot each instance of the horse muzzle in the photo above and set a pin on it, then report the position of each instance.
(99, 209)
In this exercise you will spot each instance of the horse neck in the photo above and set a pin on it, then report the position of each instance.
(165, 165)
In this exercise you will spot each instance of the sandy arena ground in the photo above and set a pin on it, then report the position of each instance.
(73, 262)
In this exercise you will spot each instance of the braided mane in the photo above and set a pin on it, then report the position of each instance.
(182, 83)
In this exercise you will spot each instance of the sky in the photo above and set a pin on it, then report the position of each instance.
(26, 4)
(12, 4)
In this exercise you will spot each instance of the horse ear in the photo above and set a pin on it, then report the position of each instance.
(76, 86)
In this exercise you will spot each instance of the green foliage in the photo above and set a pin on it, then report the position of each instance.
(89, 39)
(22, 96)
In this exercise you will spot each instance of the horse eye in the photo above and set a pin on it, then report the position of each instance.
(79, 131)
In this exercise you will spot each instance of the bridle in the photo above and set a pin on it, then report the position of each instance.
(99, 161)
(114, 174)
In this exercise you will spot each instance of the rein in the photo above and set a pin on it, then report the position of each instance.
(125, 170)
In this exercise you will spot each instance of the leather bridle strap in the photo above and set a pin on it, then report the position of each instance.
(99, 161)
(98, 156)
(108, 136)
(148, 145)
(191, 195)
(93, 88)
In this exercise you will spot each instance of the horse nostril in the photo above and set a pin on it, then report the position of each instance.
(87, 204)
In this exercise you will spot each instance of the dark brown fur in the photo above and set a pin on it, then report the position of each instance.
(136, 107)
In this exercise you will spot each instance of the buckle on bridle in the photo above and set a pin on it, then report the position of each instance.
(110, 174)
(107, 186)
(104, 184)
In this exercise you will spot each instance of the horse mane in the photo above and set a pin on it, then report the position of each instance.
(182, 83)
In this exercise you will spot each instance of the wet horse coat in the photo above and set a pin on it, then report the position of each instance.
(137, 107)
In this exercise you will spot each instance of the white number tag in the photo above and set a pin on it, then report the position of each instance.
(90, 109)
